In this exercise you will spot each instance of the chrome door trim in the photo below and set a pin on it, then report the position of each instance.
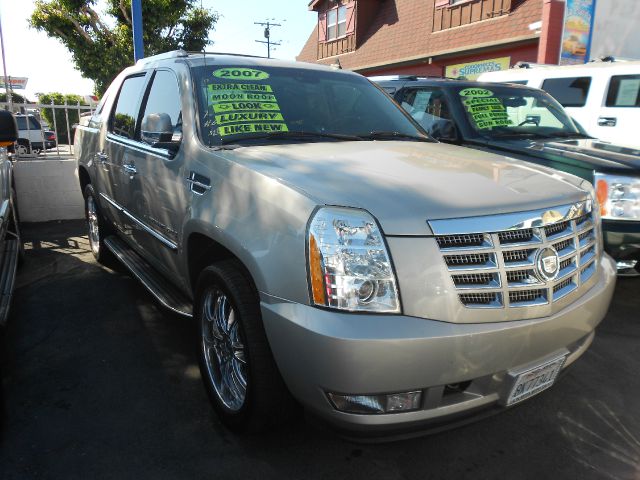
(158, 236)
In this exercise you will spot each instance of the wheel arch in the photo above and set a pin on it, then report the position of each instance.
(83, 177)
(203, 250)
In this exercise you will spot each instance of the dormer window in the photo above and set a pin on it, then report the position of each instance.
(337, 22)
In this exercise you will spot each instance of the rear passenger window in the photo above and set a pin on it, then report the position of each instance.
(624, 91)
(125, 113)
(569, 92)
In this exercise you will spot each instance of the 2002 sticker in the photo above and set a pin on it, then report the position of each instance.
(241, 73)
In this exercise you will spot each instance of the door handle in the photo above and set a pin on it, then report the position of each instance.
(130, 168)
(199, 184)
(607, 121)
(102, 157)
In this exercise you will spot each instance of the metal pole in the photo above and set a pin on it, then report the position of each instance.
(4, 69)
(136, 20)
(55, 127)
(66, 115)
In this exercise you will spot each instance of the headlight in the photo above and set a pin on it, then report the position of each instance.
(349, 266)
(618, 196)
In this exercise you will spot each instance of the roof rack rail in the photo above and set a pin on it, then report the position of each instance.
(532, 65)
(162, 56)
(224, 53)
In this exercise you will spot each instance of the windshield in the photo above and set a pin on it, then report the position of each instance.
(262, 105)
(503, 111)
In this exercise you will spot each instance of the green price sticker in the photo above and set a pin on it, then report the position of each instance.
(240, 73)
(475, 92)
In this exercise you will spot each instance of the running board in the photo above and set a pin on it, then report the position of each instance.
(8, 276)
(168, 295)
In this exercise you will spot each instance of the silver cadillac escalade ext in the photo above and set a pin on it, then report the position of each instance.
(334, 254)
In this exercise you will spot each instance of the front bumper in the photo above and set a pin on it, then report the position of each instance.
(621, 239)
(320, 351)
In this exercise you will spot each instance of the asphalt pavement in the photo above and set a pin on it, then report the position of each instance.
(101, 382)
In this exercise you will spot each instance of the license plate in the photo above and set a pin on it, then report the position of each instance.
(535, 380)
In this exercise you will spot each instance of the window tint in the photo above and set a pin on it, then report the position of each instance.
(125, 114)
(569, 92)
(164, 98)
(624, 91)
(22, 123)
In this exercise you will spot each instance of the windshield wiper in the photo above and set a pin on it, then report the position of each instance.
(380, 135)
(293, 135)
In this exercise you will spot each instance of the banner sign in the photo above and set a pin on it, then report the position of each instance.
(576, 38)
(17, 83)
(472, 70)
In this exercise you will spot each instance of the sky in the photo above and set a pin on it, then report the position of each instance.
(48, 65)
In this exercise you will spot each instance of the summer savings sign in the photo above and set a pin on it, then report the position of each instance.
(472, 70)
(576, 39)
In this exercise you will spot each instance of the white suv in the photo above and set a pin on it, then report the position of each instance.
(603, 97)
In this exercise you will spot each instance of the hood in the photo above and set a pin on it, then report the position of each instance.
(594, 154)
(405, 184)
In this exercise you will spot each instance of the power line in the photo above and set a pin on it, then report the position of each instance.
(267, 34)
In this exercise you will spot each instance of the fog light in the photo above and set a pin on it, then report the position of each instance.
(368, 404)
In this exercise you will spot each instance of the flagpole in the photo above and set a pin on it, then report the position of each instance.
(7, 86)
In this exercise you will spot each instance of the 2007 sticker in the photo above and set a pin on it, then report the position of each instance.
(241, 73)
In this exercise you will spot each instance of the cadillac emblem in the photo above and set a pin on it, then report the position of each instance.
(547, 263)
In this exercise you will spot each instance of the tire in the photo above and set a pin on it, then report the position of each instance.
(22, 148)
(98, 228)
(238, 370)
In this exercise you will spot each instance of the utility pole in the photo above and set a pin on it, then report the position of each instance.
(267, 34)
(7, 81)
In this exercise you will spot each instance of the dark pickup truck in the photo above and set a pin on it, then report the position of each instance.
(528, 124)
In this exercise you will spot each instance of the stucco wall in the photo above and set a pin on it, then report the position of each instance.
(48, 190)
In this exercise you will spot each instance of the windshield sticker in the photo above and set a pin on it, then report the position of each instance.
(476, 92)
(252, 128)
(486, 111)
(227, 96)
(246, 87)
(241, 73)
(248, 117)
(243, 108)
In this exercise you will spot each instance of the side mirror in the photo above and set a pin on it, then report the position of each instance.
(445, 131)
(157, 131)
(8, 128)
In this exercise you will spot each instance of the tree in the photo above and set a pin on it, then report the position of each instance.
(60, 123)
(101, 46)
(15, 97)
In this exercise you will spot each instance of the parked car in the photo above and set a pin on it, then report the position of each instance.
(528, 124)
(604, 97)
(33, 138)
(328, 248)
(10, 242)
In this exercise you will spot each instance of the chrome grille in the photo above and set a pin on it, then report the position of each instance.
(501, 271)
(469, 240)
(516, 236)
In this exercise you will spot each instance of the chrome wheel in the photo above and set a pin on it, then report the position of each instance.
(94, 227)
(223, 349)
(22, 150)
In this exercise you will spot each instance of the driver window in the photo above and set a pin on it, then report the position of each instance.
(164, 100)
